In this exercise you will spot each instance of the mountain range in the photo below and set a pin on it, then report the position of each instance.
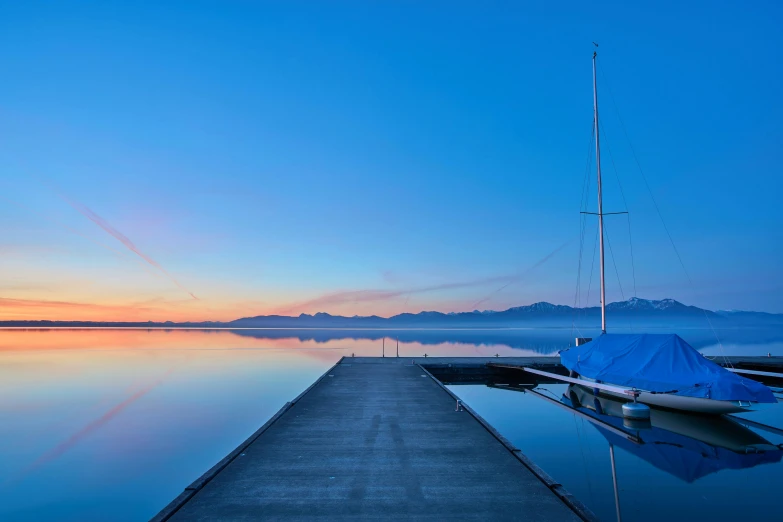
(634, 312)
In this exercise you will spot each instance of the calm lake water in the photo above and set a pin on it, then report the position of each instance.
(113, 424)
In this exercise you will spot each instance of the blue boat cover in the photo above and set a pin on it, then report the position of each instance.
(662, 363)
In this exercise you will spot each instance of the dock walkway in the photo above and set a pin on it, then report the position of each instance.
(375, 439)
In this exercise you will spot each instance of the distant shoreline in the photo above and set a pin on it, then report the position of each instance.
(374, 329)
(633, 313)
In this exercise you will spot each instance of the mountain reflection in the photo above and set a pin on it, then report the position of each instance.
(541, 340)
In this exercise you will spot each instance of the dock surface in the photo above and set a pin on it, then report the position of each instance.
(375, 439)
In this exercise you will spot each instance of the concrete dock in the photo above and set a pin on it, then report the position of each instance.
(376, 439)
(380, 438)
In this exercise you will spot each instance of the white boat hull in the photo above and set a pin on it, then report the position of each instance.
(715, 430)
(679, 402)
(659, 400)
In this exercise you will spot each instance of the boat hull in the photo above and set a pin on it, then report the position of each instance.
(715, 430)
(692, 404)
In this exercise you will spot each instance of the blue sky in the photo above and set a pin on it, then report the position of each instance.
(372, 157)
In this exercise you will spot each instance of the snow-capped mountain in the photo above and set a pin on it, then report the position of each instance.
(636, 303)
(635, 312)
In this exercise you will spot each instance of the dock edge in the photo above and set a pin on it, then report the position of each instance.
(581, 510)
(174, 506)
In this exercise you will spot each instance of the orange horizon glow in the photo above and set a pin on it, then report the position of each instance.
(156, 310)
(104, 340)
(159, 310)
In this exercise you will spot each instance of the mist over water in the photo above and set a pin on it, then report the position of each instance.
(113, 424)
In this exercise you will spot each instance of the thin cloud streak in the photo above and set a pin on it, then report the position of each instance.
(20, 309)
(64, 226)
(523, 274)
(42, 303)
(119, 236)
(362, 296)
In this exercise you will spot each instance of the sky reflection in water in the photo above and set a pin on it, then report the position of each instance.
(113, 424)
(663, 486)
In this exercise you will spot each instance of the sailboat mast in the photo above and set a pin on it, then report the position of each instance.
(600, 200)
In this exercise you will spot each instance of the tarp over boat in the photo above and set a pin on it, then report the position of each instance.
(662, 363)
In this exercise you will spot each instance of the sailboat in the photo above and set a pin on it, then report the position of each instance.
(659, 370)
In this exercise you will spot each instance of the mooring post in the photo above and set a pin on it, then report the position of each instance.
(398, 347)
(383, 347)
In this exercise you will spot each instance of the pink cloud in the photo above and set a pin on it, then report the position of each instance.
(375, 295)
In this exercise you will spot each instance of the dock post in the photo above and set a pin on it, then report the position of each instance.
(383, 347)
(398, 347)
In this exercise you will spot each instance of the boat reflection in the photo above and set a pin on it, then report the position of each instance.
(685, 445)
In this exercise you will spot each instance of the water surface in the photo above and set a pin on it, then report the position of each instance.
(113, 424)
(667, 477)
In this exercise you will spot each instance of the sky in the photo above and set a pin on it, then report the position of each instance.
(213, 160)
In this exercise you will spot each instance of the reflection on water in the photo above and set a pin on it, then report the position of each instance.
(541, 341)
(677, 466)
(685, 446)
(113, 424)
